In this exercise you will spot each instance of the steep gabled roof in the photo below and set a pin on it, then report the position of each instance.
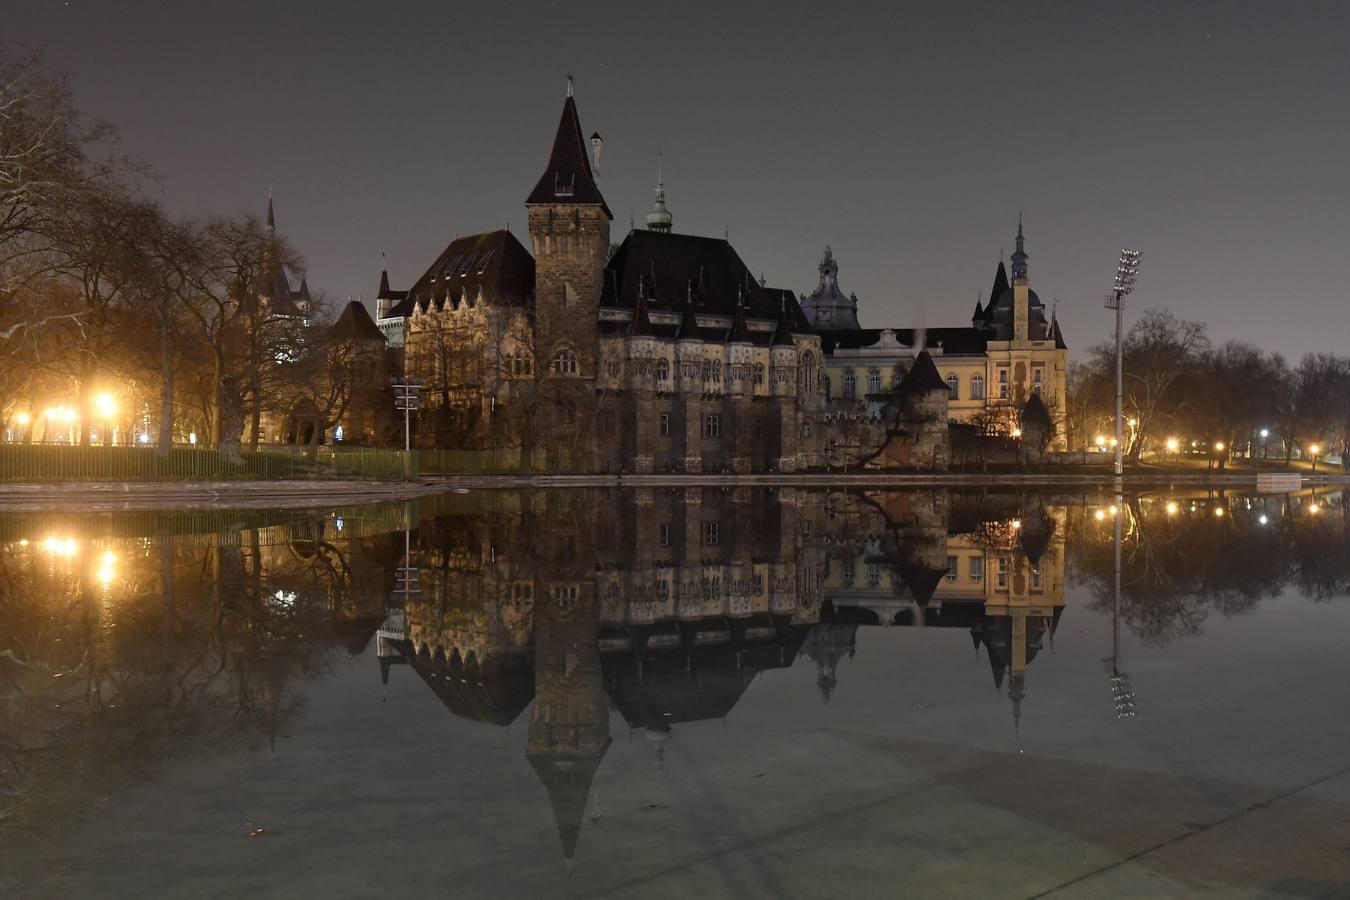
(493, 262)
(675, 269)
(568, 177)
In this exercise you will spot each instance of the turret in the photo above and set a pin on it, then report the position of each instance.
(569, 230)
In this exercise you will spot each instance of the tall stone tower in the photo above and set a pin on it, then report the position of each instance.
(569, 724)
(569, 231)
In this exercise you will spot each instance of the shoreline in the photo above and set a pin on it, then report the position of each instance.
(123, 496)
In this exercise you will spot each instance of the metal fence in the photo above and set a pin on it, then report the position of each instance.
(497, 462)
(63, 462)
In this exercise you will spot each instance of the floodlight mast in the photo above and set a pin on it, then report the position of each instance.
(1127, 271)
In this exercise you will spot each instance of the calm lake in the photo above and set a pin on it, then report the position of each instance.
(706, 692)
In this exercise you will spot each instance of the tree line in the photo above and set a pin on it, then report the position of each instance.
(1181, 387)
(119, 318)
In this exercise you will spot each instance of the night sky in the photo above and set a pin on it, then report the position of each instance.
(1212, 136)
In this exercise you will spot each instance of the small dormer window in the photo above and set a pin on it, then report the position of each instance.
(564, 189)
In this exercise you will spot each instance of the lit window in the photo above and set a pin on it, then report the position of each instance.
(565, 362)
(953, 387)
(977, 387)
(712, 426)
(874, 382)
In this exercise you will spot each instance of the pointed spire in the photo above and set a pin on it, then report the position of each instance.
(271, 217)
(1019, 257)
(568, 178)
(642, 323)
(303, 294)
(659, 219)
(740, 329)
(1001, 284)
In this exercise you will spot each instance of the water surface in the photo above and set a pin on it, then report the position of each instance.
(725, 693)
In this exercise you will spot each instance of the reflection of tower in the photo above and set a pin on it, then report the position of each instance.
(569, 725)
(1012, 640)
(826, 645)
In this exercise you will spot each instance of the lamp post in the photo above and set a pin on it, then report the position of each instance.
(406, 397)
(1127, 271)
(1313, 450)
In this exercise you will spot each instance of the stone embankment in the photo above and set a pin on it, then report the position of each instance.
(112, 496)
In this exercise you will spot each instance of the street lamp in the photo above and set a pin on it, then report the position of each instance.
(106, 404)
(1127, 271)
(1173, 445)
(1313, 450)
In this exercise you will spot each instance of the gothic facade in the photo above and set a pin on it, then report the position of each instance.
(1010, 351)
(658, 353)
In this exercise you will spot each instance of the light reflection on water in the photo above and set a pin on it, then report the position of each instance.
(743, 691)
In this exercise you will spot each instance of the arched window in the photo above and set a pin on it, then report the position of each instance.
(565, 361)
(874, 382)
(759, 373)
(663, 369)
(953, 387)
(977, 387)
(829, 389)
(850, 385)
(808, 375)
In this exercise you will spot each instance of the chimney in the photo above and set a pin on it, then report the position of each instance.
(597, 142)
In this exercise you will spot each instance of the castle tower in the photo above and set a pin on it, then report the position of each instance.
(569, 231)
(1021, 287)
(569, 724)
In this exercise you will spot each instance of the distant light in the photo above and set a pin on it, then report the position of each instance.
(1112, 442)
(143, 437)
(1016, 433)
(23, 542)
(339, 523)
(1016, 524)
(23, 418)
(337, 433)
(1315, 449)
(1099, 515)
(1262, 520)
(1173, 444)
(107, 568)
(192, 437)
(1218, 512)
(1112, 509)
(107, 405)
(1314, 509)
(1134, 423)
(1172, 508)
(1265, 432)
(1218, 445)
(1101, 440)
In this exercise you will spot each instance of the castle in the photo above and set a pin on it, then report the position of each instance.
(663, 353)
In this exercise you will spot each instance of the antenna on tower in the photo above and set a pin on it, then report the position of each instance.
(569, 84)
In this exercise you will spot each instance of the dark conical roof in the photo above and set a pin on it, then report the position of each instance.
(1000, 283)
(923, 375)
(384, 285)
(1034, 412)
(642, 323)
(922, 581)
(567, 778)
(355, 324)
(568, 177)
(979, 313)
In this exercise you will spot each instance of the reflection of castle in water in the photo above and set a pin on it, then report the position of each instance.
(666, 609)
